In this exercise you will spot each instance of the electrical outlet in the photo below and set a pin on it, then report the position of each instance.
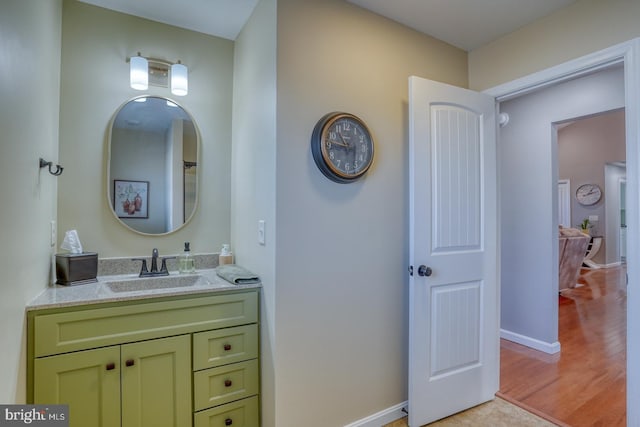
(261, 237)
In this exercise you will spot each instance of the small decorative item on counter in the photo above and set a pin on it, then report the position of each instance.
(76, 267)
(186, 262)
(225, 257)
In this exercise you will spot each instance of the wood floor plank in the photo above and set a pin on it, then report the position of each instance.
(585, 384)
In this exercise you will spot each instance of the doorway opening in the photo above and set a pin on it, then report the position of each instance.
(531, 169)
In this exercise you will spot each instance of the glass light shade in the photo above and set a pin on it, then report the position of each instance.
(179, 80)
(139, 73)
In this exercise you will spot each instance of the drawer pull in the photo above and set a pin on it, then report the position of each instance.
(111, 366)
(227, 347)
(228, 383)
(130, 362)
(228, 422)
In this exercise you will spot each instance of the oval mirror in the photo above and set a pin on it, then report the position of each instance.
(152, 169)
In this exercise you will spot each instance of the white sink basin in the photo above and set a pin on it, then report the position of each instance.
(151, 283)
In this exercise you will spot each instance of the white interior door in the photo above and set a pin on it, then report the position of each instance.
(564, 203)
(454, 300)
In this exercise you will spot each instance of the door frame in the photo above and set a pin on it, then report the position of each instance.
(628, 54)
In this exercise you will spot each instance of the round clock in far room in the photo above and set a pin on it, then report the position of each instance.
(588, 194)
(342, 147)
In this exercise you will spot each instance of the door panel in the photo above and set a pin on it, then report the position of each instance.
(156, 382)
(88, 381)
(453, 326)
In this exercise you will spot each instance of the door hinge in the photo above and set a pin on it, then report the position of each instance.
(411, 270)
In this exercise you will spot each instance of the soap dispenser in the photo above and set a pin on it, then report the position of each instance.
(186, 262)
(225, 257)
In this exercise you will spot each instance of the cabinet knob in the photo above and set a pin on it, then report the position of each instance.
(228, 422)
(228, 383)
(111, 366)
(227, 347)
(130, 362)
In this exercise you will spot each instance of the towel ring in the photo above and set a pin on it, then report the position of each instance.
(57, 172)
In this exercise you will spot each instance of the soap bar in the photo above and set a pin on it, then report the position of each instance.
(76, 269)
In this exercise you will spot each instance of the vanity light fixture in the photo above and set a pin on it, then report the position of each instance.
(139, 72)
(157, 72)
(179, 79)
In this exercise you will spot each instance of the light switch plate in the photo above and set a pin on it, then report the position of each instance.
(53, 233)
(261, 237)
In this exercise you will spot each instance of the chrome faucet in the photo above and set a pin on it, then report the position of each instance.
(154, 265)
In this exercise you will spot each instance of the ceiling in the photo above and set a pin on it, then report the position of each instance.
(467, 24)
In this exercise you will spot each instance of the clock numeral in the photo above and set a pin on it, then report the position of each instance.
(347, 166)
(333, 135)
(332, 155)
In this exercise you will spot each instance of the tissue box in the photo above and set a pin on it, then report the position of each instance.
(76, 269)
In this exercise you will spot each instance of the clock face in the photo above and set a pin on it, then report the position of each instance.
(342, 147)
(588, 194)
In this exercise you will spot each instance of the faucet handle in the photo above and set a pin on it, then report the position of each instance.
(143, 270)
(163, 267)
(154, 253)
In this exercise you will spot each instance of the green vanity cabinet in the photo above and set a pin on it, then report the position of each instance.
(172, 361)
(110, 386)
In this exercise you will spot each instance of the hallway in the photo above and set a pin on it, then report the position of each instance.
(585, 384)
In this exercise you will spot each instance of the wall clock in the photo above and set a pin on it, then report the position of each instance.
(342, 147)
(588, 194)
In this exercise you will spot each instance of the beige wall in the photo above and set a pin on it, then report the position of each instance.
(581, 28)
(29, 89)
(342, 249)
(584, 148)
(94, 83)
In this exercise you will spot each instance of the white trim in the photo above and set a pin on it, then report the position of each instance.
(549, 348)
(383, 417)
(629, 54)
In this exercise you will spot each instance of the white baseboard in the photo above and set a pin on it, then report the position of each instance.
(549, 348)
(381, 418)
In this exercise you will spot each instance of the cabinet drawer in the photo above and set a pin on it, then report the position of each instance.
(83, 329)
(224, 346)
(243, 413)
(217, 386)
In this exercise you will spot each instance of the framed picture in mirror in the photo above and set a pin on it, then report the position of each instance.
(131, 198)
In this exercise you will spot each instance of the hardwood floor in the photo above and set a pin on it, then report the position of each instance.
(585, 384)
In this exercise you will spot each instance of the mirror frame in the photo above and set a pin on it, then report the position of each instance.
(108, 166)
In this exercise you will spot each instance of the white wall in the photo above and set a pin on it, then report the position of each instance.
(94, 84)
(529, 175)
(254, 174)
(29, 88)
(342, 249)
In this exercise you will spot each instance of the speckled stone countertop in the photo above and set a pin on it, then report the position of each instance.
(102, 291)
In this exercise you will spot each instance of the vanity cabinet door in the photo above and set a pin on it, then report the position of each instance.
(88, 381)
(156, 383)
